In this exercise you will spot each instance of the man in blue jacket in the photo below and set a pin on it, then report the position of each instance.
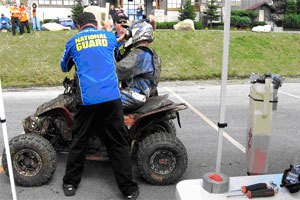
(91, 50)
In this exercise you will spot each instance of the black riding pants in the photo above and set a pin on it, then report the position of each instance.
(107, 120)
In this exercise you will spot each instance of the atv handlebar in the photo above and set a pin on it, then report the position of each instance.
(69, 85)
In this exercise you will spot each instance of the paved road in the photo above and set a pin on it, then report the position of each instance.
(197, 134)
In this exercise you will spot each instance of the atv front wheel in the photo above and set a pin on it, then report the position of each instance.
(33, 159)
(161, 159)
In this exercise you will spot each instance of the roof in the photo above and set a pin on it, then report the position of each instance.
(258, 5)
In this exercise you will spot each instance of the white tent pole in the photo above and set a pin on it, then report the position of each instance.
(7, 150)
(224, 81)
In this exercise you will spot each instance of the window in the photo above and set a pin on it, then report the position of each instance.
(41, 2)
(130, 8)
(236, 2)
(69, 2)
(174, 3)
(56, 2)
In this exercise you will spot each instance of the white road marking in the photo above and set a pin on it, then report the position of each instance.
(289, 94)
(208, 121)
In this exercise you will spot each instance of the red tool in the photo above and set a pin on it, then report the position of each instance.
(255, 190)
(258, 186)
(261, 193)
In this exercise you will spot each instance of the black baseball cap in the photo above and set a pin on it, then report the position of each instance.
(85, 18)
(118, 16)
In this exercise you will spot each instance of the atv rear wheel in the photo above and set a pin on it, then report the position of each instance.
(33, 159)
(161, 159)
(165, 126)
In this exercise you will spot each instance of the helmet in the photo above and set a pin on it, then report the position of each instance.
(141, 31)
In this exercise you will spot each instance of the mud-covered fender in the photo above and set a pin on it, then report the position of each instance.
(60, 111)
(59, 102)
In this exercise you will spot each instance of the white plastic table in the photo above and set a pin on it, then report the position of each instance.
(193, 190)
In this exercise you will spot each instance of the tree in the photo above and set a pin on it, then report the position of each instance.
(280, 8)
(291, 7)
(212, 12)
(298, 7)
(76, 10)
(187, 12)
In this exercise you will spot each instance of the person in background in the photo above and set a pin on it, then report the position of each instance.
(4, 23)
(15, 22)
(112, 11)
(24, 18)
(121, 25)
(36, 26)
(119, 20)
(139, 12)
(120, 9)
(101, 108)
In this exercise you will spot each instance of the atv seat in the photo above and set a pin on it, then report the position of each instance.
(153, 103)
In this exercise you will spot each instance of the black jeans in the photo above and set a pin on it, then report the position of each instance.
(15, 22)
(107, 120)
(25, 24)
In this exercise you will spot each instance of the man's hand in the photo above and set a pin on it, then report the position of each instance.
(106, 25)
(152, 20)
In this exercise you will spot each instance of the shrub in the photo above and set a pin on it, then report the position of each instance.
(240, 22)
(245, 22)
(170, 25)
(245, 13)
(47, 21)
(165, 25)
(257, 23)
(161, 25)
(234, 20)
(291, 21)
(198, 25)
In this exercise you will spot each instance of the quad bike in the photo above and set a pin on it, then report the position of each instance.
(161, 157)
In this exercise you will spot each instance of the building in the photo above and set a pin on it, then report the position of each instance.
(47, 9)
(264, 11)
(164, 10)
(248, 3)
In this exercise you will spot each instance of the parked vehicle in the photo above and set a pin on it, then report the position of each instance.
(161, 157)
(66, 22)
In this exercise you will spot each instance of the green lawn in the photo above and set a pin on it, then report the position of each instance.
(33, 59)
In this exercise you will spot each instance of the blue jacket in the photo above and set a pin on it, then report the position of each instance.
(91, 51)
(4, 20)
(137, 71)
(139, 12)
